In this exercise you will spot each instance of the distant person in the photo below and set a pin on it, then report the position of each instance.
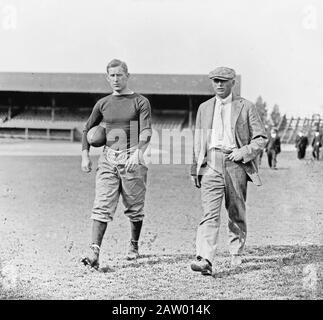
(301, 145)
(261, 153)
(228, 136)
(259, 157)
(121, 170)
(316, 144)
(273, 148)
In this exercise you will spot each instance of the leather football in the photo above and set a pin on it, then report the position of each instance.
(96, 136)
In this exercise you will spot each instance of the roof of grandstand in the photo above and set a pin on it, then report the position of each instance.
(177, 84)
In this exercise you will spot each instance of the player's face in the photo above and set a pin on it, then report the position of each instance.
(222, 87)
(118, 79)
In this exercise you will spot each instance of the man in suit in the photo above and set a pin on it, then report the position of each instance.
(316, 144)
(273, 148)
(301, 144)
(229, 135)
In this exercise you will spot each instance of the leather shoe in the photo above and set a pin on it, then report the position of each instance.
(203, 266)
(235, 260)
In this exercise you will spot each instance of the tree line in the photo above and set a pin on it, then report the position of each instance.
(271, 119)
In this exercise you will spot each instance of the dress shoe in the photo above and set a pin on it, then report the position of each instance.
(203, 266)
(235, 260)
(133, 251)
(92, 258)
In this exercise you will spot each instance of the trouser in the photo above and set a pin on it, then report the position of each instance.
(301, 152)
(228, 179)
(272, 158)
(260, 157)
(112, 180)
(316, 152)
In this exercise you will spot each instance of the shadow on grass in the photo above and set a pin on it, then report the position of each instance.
(278, 169)
(271, 257)
(147, 260)
(106, 269)
(254, 258)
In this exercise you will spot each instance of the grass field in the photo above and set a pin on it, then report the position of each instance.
(45, 204)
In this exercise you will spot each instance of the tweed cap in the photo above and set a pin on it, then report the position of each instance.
(222, 73)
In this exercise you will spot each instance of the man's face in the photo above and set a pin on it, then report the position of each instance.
(117, 78)
(222, 87)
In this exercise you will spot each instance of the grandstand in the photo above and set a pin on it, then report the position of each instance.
(56, 105)
(169, 119)
(3, 116)
(292, 126)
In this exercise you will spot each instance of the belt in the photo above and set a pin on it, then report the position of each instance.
(117, 157)
(107, 149)
(226, 151)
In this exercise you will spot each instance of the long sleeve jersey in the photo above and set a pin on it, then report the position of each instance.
(127, 119)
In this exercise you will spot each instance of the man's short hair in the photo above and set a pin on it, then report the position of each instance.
(117, 63)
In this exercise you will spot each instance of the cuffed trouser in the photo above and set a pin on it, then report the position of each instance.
(316, 152)
(112, 180)
(272, 158)
(301, 151)
(228, 179)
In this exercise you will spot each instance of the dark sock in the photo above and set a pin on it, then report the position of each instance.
(98, 230)
(135, 244)
(135, 230)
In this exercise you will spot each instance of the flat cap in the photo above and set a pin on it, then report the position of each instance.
(222, 73)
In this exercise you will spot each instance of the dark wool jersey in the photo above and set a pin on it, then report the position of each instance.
(127, 119)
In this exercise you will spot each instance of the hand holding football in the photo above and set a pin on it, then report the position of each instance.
(96, 136)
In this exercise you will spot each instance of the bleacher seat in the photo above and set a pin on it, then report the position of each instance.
(34, 114)
(36, 122)
(3, 116)
(69, 115)
(169, 119)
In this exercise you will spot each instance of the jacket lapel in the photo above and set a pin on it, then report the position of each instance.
(236, 106)
(209, 113)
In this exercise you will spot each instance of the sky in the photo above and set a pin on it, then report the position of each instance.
(276, 46)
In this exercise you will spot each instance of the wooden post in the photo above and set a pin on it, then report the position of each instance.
(10, 109)
(53, 109)
(283, 138)
(293, 133)
(280, 123)
(72, 135)
(26, 133)
(190, 112)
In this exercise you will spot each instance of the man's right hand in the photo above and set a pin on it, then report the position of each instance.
(196, 181)
(86, 163)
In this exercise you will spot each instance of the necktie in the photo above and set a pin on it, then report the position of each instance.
(221, 125)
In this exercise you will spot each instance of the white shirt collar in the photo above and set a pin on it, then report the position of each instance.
(226, 100)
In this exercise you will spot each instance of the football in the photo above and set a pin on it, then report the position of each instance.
(96, 136)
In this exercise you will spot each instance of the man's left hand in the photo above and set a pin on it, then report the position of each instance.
(133, 161)
(235, 155)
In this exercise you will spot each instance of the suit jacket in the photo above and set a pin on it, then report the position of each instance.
(317, 141)
(247, 129)
(273, 144)
(301, 142)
